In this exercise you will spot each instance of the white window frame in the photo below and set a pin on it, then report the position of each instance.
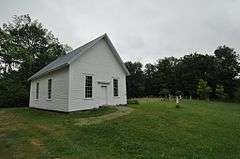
(85, 78)
(37, 91)
(49, 90)
(117, 87)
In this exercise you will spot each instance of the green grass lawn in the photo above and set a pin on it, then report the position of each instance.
(155, 129)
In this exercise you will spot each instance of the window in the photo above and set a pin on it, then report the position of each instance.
(115, 87)
(49, 88)
(37, 90)
(88, 87)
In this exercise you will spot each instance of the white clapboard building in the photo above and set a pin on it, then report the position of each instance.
(87, 77)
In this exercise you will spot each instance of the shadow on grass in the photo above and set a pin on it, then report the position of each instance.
(41, 113)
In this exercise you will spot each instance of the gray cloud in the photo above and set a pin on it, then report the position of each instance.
(140, 30)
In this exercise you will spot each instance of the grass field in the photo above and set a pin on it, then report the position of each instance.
(154, 129)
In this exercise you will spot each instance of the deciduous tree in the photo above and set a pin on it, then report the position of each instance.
(25, 47)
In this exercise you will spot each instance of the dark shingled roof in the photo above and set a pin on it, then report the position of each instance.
(65, 60)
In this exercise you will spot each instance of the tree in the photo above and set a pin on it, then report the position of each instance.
(237, 92)
(25, 47)
(184, 74)
(165, 74)
(193, 67)
(150, 80)
(13, 92)
(135, 82)
(228, 68)
(203, 89)
(220, 92)
(164, 92)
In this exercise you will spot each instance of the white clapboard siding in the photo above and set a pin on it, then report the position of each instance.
(97, 58)
(101, 63)
(59, 101)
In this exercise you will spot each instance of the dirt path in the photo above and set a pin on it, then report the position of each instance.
(121, 111)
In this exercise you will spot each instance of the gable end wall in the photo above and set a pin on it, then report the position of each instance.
(99, 62)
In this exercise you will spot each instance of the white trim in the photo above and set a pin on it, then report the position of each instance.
(115, 78)
(84, 83)
(37, 91)
(115, 53)
(103, 82)
(88, 98)
(48, 88)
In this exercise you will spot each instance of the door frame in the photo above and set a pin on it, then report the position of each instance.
(106, 94)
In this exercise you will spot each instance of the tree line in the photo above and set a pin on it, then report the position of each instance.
(26, 46)
(194, 75)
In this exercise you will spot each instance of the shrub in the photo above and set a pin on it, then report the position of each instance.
(13, 93)
(220, 92)
(203, 89)
(132, 101)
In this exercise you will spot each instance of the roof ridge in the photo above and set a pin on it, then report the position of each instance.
(71, 56)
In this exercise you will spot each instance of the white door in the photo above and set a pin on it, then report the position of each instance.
(103, 95)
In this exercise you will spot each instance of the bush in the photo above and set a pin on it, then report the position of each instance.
(13, 92)
(203, 89)
(220, 92)
(132, 101)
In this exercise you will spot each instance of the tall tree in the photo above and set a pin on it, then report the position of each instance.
(25, 47)
(228, 68)
(166, 77)
(191, 68)
(135, 82)
(150, 80)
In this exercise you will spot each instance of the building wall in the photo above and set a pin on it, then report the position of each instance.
(59, 101)
(103, 66)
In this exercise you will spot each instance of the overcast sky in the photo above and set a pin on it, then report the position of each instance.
(141, 30)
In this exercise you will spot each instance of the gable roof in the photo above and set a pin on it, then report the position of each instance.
(67, 59)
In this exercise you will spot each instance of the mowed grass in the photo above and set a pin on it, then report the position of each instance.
(154, 129)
